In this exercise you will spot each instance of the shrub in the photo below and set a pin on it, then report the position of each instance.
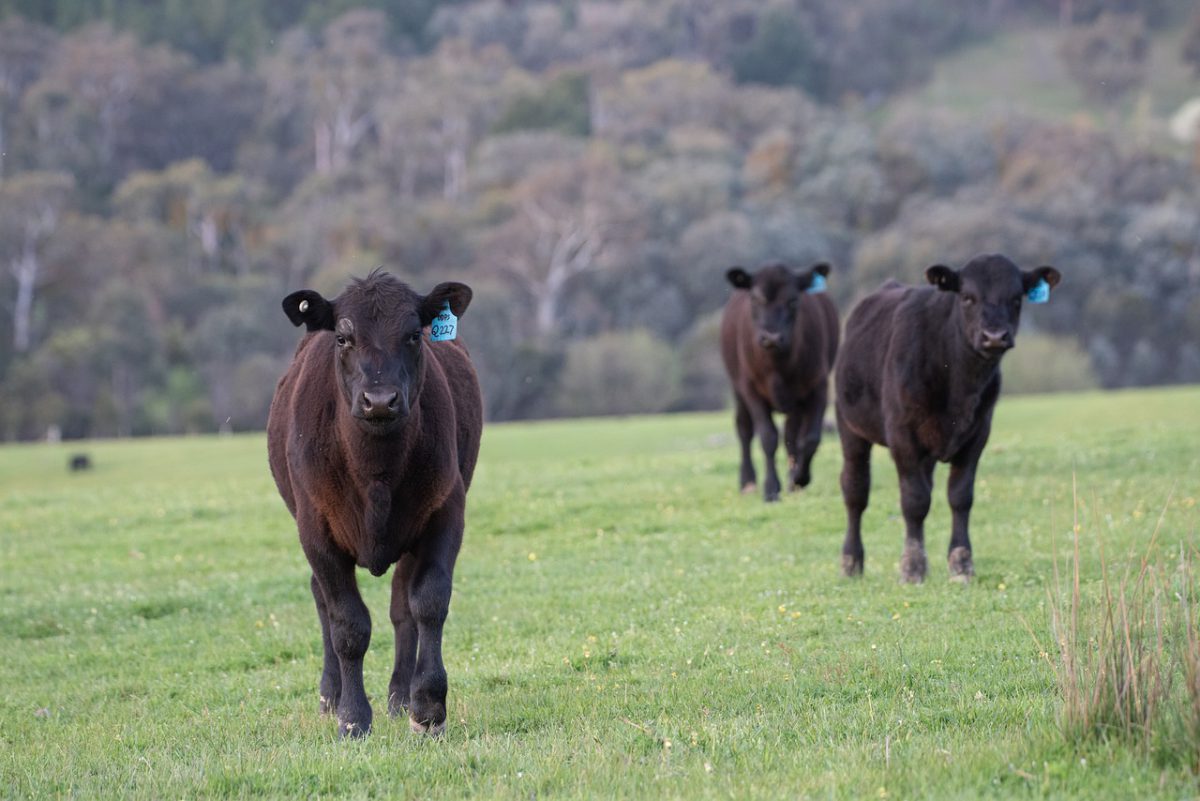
(1107, 58)
(562, 105)
(1046, 363)
(618, 373)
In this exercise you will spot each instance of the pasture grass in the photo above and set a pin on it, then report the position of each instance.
(624, 623)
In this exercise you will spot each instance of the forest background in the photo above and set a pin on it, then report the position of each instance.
(169, 171)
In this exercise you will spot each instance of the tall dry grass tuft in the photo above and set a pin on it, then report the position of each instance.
(1126, 655)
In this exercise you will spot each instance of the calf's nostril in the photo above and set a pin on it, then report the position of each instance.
(379, 402)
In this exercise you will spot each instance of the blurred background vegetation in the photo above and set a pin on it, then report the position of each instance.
(168, 171)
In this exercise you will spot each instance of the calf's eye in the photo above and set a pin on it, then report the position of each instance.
(340, 340)
(413, 338)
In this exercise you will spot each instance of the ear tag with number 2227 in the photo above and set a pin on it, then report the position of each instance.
(1040, 293)
(445, 326)
(817, 284)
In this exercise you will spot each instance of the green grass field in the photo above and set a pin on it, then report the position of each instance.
(624, 623)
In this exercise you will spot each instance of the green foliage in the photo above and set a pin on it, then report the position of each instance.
(619, 373)
(624, 623)
(562, 105)
(780, 54)
(1046, 363)
(1107, 58)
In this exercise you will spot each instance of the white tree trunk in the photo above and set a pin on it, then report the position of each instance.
(25, 269)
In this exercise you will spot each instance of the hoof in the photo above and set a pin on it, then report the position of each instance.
(799, 479)
(913, 566)
(397, 705)
(852, 566)
(771, 497)
(327, 705)
(962, 569)
(349, 730)
(749, 488)
(430, 729)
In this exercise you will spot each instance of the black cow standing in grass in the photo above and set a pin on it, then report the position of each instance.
(779, 337)
(920, 374)
(372, 438)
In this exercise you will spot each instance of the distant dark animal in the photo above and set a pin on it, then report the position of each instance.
(372, 438)
(920, 374)
(80, 461)
(779, 337)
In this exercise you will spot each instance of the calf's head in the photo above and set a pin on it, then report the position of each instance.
(377, 345)
(775, 292)
(990, 292)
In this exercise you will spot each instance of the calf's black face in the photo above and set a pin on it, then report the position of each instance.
(378, 347)
(775, 293)
(990, 291)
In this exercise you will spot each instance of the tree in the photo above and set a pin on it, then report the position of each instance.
(330, 87)
(441, 109)
(780, 54)
(1107, 58)
(565, 215)
(78, 113)
(24, 50)
(31, 205)
(213, 214)
(1190, 49)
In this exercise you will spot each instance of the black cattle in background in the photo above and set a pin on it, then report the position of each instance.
(779, 337)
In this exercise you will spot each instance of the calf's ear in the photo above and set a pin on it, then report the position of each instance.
(814, 277)
(738, 277)
(1031, 278)
(308, 308)
(456, 294)
(943, 278)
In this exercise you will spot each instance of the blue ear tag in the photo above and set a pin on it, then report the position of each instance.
(1040, 293)
(816, 285)
(445, 326)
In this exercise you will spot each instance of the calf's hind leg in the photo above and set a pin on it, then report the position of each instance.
(856, 490)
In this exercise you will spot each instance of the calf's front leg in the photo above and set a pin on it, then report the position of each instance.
(331, 677)
(405, 627)
(349, 625)
(916, 486)
(960, 491)
(429, 603)
(804, 437)
(768, 438)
